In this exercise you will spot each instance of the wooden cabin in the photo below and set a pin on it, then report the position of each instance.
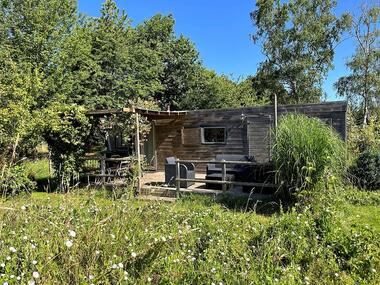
(202, 134)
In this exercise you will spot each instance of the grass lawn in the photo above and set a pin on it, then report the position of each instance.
(86, 238)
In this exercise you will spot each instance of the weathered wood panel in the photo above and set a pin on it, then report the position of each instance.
(247, 130)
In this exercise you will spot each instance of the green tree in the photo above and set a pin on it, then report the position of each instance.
(298, 39)
(362, 86)
(179, 60)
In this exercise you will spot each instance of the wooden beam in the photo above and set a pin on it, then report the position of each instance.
(138, 153)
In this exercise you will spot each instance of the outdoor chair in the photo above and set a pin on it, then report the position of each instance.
(187, 171)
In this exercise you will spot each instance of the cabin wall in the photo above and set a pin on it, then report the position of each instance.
(248, 130)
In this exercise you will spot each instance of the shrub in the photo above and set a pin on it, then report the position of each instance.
(306, 150)
(66, 132)
(366, 170)
(14, 180)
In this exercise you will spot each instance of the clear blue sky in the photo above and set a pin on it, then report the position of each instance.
(221, 30)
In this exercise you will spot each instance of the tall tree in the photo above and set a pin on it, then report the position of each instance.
(179, 59)
(298, 39)
(362, 86)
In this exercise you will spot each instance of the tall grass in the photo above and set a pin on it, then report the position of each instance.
(306, 150)
(87, 239)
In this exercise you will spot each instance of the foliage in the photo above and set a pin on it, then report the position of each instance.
(90, 239)
(363, 198)
(363, 137)
(306, 151)
(66, 131)
(362, 86)
(212, 91)
(365, 171)
(298, 39)
(14, 180)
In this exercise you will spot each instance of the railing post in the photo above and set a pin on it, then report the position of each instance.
(103, 168)
(177, 177)
(224, 174)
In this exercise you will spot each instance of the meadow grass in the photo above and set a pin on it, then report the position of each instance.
(87, 238)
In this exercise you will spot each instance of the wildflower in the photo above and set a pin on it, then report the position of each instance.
(12, 249)
(2, 264)
(69, 243)
(90, 277)
(34, 262)
(72, 233)
(36, 275)
(213, 270)
(23, 208)
(373, 270)
(163, 239)
(8, 258)
(5, 283)
(121, 265)
(114, 266)
(149, 279)
(97, 252)
(113, 236)
(134, 254)
(336, 274)
(31, 282)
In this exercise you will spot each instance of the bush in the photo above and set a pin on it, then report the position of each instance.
(66, 132)
(306, 150)
(366, 170)
(14, 180)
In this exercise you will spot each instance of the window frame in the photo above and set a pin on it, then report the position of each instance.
(203, 141)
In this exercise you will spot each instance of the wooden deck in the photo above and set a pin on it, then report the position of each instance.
(153, 184)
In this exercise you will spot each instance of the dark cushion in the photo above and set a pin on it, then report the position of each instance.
(170, 160)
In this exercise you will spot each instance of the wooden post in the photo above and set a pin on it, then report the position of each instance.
(177, 177)
(103, 168)
(275, 115)
(224, 174)
(138, 153)
(275, 128)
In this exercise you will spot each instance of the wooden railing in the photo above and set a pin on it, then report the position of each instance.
(100, 163)
(224, 181)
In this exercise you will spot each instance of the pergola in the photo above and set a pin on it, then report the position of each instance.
(149, 114)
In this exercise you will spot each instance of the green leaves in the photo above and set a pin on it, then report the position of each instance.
(298, 40)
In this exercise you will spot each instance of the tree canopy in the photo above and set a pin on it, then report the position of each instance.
(298, 39)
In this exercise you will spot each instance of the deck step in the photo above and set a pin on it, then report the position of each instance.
(156, 198)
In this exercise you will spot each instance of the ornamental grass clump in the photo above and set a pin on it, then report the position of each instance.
(306, 152)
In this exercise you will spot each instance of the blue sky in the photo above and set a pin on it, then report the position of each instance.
(221, 30)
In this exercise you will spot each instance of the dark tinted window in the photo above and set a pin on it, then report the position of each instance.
(213, 135)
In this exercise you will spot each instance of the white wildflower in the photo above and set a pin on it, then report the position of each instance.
(23, 208)
(34, 262)
(121, 265)
(69, 243)
(36, 275)
(90, 277)
(8, 258)
(72, 233)
(149, 279)
(2, 265)
(133, 254)
(12, 249)
(31, 282)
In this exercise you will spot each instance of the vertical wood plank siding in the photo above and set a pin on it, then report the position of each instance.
(247, 134)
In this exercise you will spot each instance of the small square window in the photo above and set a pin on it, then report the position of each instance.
(213, 135)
